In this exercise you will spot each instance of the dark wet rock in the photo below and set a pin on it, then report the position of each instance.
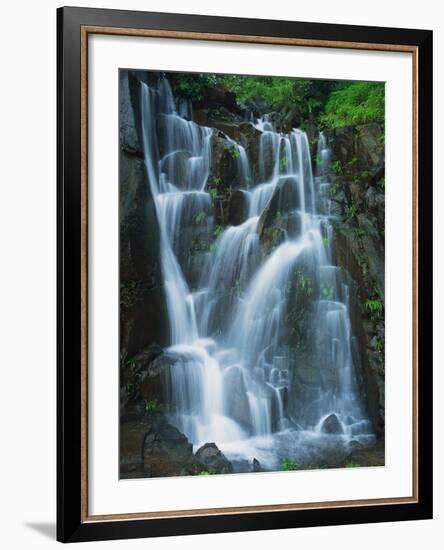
(175, 166)
(256, 466)
(166, 451)
(274, 230)
(217, 97)
(153, 377)
(143, 311)
(257, 105)
(280, 217)
(238, 207)
(213, 460)
(132, 381)
(354, 445)
(284, 199)
(286, 196)
(228, 128)
(224, 162)
(250, 139)
(358, 148)
(131, 438)
(128, 135)
(331, 425)
(373, 455)
(237, 403)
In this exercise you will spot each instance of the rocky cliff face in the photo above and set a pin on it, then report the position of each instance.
(357, 192)
(143, 317)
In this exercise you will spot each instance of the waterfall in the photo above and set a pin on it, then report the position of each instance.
(233, 373)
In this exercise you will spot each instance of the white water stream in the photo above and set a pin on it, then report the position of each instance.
(232, 385)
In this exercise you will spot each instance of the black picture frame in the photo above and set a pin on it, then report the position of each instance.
(71, 523)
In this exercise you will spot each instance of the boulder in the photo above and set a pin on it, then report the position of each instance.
(256, 465)
(166, 451)
(131, 438)
(213, 460)
(331, 425)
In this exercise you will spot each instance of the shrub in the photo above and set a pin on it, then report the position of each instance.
(355, 103)
(289, 465)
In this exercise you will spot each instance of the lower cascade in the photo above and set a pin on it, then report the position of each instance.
(262, 347)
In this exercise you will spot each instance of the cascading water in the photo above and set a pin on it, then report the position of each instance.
(231, 381)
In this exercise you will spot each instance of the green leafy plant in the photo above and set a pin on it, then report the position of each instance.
(288, 465)
(351, 212)
(375, 306)
(336, 167)
(334, 188)
(327, 242)
(217, 230)
(304, 282)
(153, 405)
(283, 163)
(355, 103)
(351, 464)
(199, 217)
(130, 364)
(234, 152)
(327, 292)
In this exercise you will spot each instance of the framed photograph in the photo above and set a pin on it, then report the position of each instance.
(245, 269)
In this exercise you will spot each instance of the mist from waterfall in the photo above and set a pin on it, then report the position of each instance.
(232, 381)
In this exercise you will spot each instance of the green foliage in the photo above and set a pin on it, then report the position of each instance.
(334, 188)
(288, 465)
(351, 464)
(304, 282)
(131, 364)
(153, 405)
(336, 103)
(213, 193)
(234, 152)
(351, 212)
(128, 285)
(327, 242)
(283, 163)
(327, 292)
(193, 86)
(375, 306)
(336, 167)
(199, 217)
(218, 114)
(355, 103)
(217, 230)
